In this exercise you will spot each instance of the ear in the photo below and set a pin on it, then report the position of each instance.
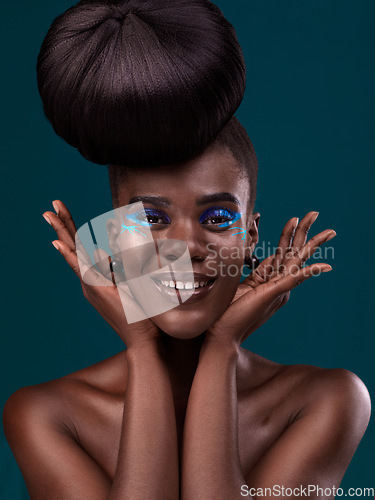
(113, 230)
(252, 237)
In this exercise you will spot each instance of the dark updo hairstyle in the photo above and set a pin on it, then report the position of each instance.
(140, 82)
(232, 137)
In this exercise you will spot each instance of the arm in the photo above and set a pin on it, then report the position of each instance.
(211, 465)
(210, 457)
(148, 457)
(53, 463)
(315, 449)
(55, 466)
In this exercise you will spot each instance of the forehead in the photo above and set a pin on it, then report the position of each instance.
(215, 171)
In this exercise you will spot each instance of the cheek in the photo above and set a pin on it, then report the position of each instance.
(226, 258)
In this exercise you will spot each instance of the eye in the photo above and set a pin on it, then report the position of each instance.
(219, 217)
(149, 217)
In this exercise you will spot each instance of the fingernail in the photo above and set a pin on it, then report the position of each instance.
(332, 235)
(326, 269)
(56, 245)
(56, 207)
(315, 216)
(47, 218)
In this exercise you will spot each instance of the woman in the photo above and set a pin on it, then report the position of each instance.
(185, 410)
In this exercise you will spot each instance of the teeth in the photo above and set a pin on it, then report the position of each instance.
(181, 285)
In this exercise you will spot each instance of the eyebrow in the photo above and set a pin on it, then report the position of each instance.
(214, 198)
(161, 201)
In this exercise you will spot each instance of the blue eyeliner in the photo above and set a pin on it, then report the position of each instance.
(228, 216)
(131, 229)
(242, 231)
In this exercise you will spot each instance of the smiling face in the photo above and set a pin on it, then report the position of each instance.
(204, 203)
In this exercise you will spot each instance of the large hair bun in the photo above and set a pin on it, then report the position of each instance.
(136, 82)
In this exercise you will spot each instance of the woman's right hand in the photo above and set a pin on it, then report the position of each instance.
(105, 296)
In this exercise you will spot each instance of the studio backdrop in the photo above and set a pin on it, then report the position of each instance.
(309, 110)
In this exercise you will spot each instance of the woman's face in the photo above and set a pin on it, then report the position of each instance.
(204, 203)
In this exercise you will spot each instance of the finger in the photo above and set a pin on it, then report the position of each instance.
(264, 297)
(302, 230)
(285, 242)
(309, 249)
(284, 284)
(284, 299)
(62, 231)
(65, 235)
(65, 216)
(97, 281)
(87, 274)
(261, 274)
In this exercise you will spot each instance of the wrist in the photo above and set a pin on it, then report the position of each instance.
(224, 347)
(146, 347)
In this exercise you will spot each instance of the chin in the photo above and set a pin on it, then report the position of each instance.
(184, 323)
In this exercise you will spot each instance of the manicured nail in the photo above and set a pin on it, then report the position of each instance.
(332, 235)
(326, 269)
(56, 207)
(315, 216)
(56, 245)
(47, 218)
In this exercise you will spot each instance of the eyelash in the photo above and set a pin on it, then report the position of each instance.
(212, 213)
(149, 212)
(220, 213)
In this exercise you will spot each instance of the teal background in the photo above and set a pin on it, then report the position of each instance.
(309, 110)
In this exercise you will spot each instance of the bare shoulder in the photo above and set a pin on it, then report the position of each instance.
(338, 389)
(33, 404)
(303, 387)
(340, 395)
(40, 426)
(55, 399)
(307, 415)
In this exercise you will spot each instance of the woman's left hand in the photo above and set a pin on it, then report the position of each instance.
(267, 288)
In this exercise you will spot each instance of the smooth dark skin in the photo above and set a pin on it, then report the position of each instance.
(202, 415)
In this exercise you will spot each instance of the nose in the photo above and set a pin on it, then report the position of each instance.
(181, 237)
